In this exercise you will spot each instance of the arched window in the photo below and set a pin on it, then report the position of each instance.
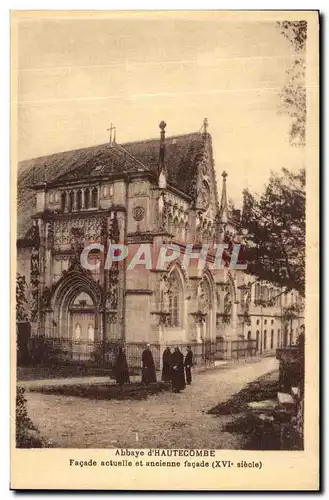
(278, 343)
(265, 294)
(77, 332)
(257, 340)
(63, 201)
(71, 201)
(175, 300)
(94, 197)
(272, 339)
(265, 340)
(79, 199)
(87, 198)
(249, 335)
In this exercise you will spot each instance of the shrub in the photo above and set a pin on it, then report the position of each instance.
(27, 435)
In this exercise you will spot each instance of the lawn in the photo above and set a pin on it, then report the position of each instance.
(106, 392)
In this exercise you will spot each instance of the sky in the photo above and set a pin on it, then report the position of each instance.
(76, 76)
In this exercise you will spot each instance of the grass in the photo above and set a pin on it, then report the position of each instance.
(259, 434)
(41, 372)
(265, 387)
(132, 391)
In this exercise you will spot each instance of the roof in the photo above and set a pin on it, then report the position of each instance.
(182, 155)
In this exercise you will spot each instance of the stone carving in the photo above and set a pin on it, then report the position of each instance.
(104, 231)
(112, 291)
(204, 297)
(228, 303)
(114, 229)
(138, 213)
(204, 196)
(91, 228)
(76, 244)
(165, 291)
(50, 235)
(45, 299)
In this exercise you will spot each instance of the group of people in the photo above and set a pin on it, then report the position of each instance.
(175, 367)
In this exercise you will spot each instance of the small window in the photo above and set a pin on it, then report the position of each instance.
(63, 201)
(71, 201)
(257, 322)
(79, 199)
(87, 198)
(249, 335)
(94, 197)
(272, 321)
(265, 322)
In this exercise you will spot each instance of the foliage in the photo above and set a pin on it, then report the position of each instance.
(27, 435)
(274, 226)
(21, 285)
(293, 94)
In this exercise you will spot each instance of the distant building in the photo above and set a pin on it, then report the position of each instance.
(153, 191)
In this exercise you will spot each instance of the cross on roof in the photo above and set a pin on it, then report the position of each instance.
(111, 129)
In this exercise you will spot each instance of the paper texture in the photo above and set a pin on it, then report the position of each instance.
(235, 94)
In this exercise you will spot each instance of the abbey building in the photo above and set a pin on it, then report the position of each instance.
(154, 191)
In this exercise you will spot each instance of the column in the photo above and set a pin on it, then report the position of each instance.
(74, 199)
(82, 198)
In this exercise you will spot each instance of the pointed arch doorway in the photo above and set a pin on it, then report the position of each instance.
(76, 317)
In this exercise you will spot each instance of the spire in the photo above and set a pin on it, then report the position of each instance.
(162, 168)
(223, 209)
(205, 126)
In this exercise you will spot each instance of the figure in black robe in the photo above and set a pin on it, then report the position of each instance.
(188, 363)
(166, 365)
(148, 367)
(177, 374)
(121, 368)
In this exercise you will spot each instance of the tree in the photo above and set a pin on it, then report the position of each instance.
(293, 94)
(274, 227)
(21, 314)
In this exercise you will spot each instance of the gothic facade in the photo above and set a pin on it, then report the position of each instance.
(150, 192)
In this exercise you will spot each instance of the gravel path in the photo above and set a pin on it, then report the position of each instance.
(166, 420)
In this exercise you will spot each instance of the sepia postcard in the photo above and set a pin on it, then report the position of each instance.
(165, 250)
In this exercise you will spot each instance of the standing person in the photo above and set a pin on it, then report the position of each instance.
(166, 365)
(148, 367)
(188, 363)
(177, 374)
(121, 368)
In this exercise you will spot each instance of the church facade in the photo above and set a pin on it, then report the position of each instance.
(153, 192)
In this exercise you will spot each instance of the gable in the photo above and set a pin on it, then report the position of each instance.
(183, 153)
